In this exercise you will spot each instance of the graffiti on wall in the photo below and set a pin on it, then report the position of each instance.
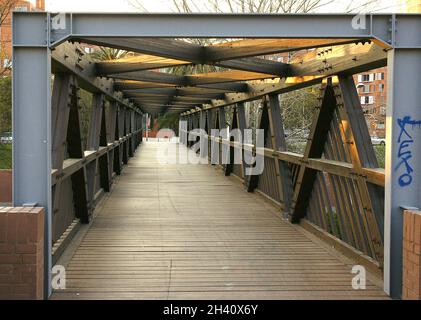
(405, 142)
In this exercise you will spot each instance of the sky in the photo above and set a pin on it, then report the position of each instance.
(167, 5)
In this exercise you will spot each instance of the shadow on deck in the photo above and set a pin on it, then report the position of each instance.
(188, 232)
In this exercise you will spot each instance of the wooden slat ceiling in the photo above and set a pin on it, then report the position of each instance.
(243, 66)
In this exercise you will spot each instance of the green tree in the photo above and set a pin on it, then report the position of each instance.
(297, 108)
(5, 104)
(106, 54)
(168, 121)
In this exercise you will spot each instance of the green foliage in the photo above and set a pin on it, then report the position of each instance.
(5, 156)
(168, 121)
(183, 70)
(334, 225)
(85, 104)
(380, 154)
(104, 54)
(5, 104)
(296, 146)
(297, 108)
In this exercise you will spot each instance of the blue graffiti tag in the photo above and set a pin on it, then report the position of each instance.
(405, 141)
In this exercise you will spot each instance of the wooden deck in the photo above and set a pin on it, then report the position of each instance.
(188, 232)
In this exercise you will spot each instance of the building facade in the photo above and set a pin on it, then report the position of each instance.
(6, 28)
(372, 88)
(372, 85)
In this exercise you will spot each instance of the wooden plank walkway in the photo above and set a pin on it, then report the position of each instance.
(188, 232)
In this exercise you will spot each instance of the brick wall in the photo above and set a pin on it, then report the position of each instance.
(5, 186)
(6, 27)
(411, 256)
(21, 253)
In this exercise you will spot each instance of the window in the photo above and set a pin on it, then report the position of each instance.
(366, 77)
(380, 76)
(21, 8)
(367, 100)
(366, 88)
(381, 87)
(380, 125)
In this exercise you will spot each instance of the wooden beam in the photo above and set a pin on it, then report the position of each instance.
(258, 65)
(70, 58)
(167, 48)
(133, 85)
(322, 118)
(175, 94)
(283, 174)
(363, 57)
(136, 63)
(182, 50)
(152, 76)
(192, 80)
(258, 47)
(362, 155)
(75, 150)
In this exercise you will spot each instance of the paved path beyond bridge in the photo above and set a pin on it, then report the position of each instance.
(189, 232)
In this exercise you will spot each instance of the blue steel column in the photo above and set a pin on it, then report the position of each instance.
(32, 121)
(403, 156)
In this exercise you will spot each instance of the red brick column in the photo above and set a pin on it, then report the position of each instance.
(5, 186)
(21, 253)
(412, 256)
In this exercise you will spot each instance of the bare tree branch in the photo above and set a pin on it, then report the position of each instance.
(6, 6)
(137, 4)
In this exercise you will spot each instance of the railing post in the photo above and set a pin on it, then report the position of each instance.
(241, 122)
(190, 128)
(222, 125)
(182, 130)
(130, 132)
(117, 136)
(279, 144)
(210, 126)
(203, 138)
(93, 143)
(111, 133)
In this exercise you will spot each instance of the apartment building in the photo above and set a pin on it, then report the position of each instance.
(6, 28)
(372, 87)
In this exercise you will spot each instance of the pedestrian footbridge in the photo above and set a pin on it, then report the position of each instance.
(309, 224)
